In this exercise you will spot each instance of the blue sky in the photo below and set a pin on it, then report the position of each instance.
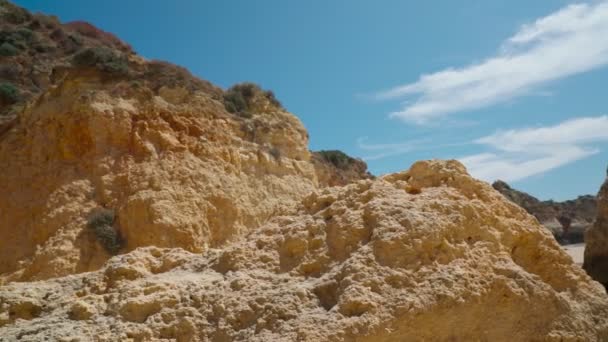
(515, 89)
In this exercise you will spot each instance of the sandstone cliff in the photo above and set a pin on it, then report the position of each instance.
(110, 152)
(175, 169)
(426, 254)
(148, 204)
(596, 240)
(566, 220)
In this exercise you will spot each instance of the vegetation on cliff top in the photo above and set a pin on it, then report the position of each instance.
(239, 98)
(102, 58)
(337, 158)
(42, 43)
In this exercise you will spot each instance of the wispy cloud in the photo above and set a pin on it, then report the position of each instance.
(569, 41)
(381, 151)
(521, 153)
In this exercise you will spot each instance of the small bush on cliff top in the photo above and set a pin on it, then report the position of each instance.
(238, 98)
(338, 158)
(20, 38)
(102, 225)
(40, 21)
(103, 59)
(106, 38)
(9, 94)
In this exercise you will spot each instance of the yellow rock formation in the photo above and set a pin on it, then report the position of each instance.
(426, 254)
(176, 168)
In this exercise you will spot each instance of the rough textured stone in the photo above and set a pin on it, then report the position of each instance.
(223, 229)
(426, 254)
(567, 220)
(143, 140)
(183, 175)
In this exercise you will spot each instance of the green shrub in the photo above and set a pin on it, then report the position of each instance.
(103, 59)
(70, 43)
(158, 74)
(238, 98)
(338, 158)
(40, 21)
(9, 94)
(270, 96)
(101, 224)
(24, 34)
(8, 49)
(235, 103)
(12, 41)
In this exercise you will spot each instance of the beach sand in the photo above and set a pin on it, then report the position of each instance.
(576, 251)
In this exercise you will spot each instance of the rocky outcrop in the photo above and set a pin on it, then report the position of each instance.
(335, 168)
(104, 152)
(33, 47)
(175, 168)
(141, 203)
(426, 254)
(596, 240)
(566, 220)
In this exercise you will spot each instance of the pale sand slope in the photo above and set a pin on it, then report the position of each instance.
(576, 251)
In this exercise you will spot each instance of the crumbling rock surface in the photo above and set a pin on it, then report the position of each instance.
(567, 220)
(426, 254)
(222, 225)
(103, 152)
(175, 168)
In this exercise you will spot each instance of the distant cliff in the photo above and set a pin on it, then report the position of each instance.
(567, 220)
(596, 240)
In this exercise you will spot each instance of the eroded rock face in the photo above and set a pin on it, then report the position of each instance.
(426, 254)
(596, 240)
(567, 220)
(103, 151)
(176, 169)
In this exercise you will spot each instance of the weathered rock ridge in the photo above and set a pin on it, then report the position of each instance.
(426, 254)
(566, 220)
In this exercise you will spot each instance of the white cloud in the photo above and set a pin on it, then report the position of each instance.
(521, 153)
(381, 151)
(569, 41)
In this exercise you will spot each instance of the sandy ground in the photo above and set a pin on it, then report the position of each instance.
(576, 251)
